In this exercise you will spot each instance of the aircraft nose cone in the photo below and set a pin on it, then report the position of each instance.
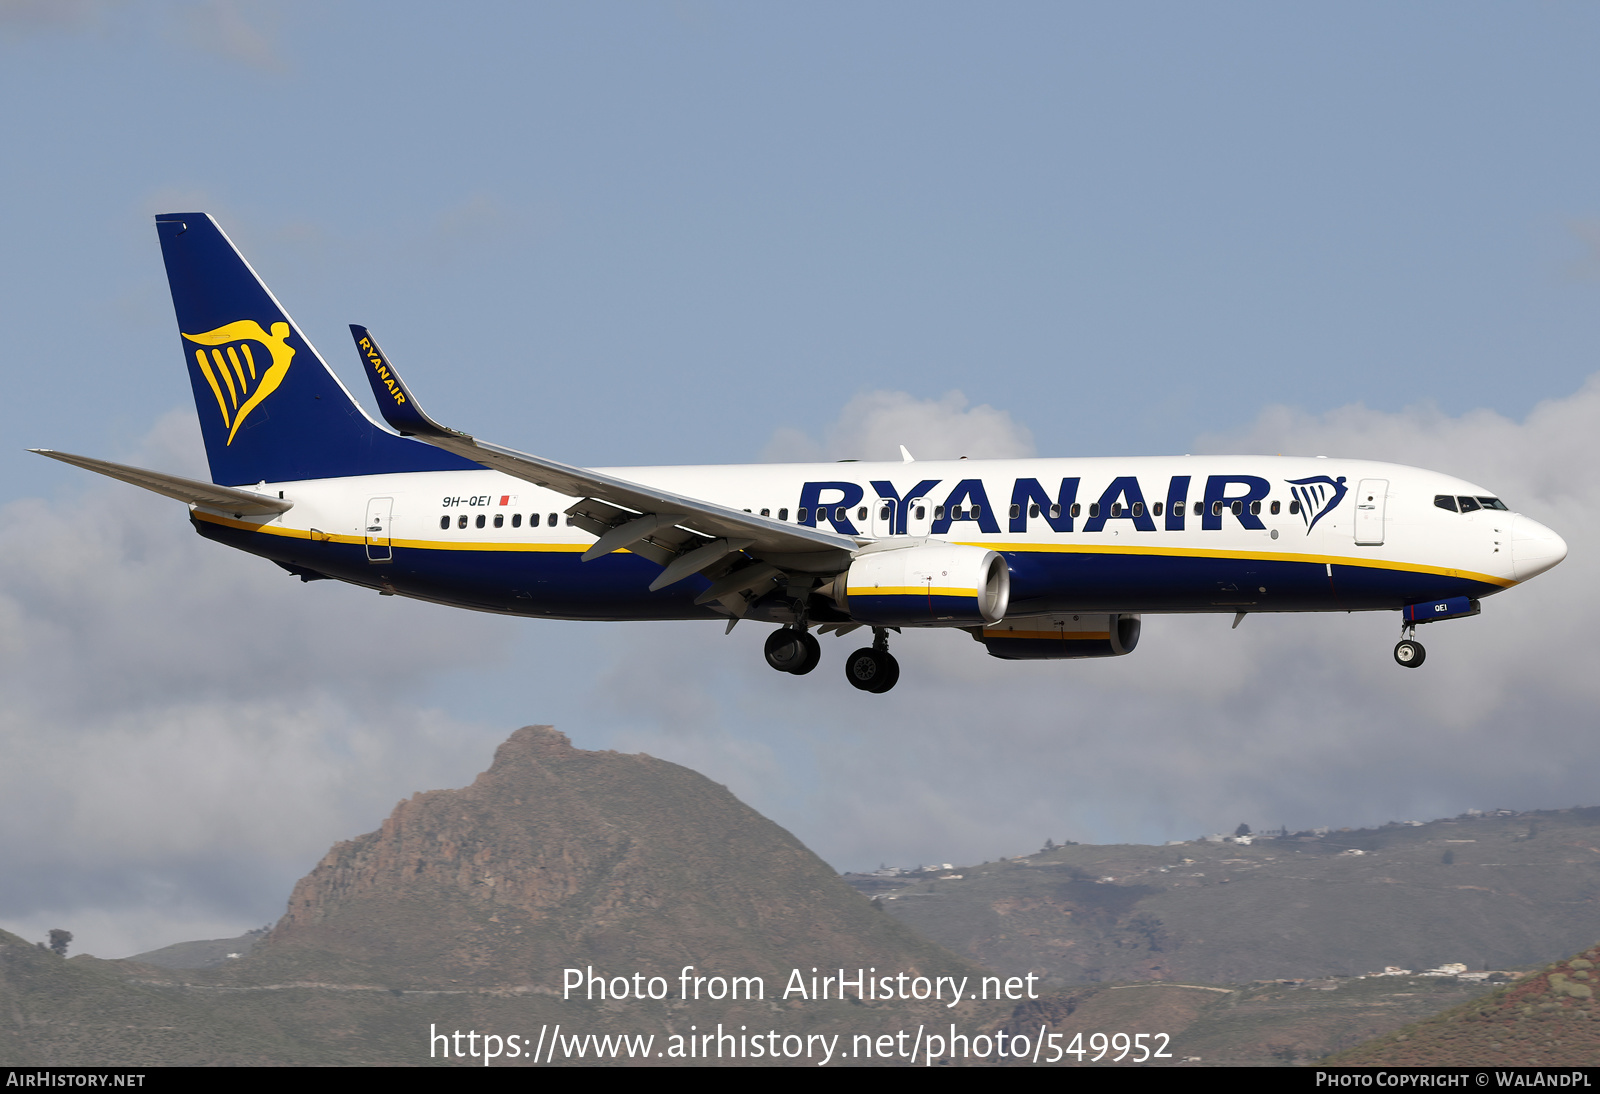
(1534, 548)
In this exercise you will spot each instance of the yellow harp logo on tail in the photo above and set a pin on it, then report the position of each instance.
(231, 366)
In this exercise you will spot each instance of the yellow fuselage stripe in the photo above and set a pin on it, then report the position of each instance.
(1011, 548)
(906, 590)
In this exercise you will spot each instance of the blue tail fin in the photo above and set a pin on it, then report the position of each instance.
(270, 409)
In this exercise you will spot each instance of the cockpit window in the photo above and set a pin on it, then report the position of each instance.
(1464, 504)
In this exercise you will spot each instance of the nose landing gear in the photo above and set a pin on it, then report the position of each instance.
(1408, 652)
(873, 668)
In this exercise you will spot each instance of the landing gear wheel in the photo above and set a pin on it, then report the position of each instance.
(872, 670)
(890, 678)
(813, 654)
(1409, 653)
(791, 650)
(864, 669)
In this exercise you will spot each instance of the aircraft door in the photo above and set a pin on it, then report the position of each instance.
(1369, 512)
(377, 529)
(883, 513)
(919, 516)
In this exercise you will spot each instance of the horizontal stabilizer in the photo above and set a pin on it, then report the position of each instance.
(224, 498)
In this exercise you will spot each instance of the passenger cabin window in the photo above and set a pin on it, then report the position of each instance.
(1445, 501)
(1076, 509)
(461, 521)
(838, 515)
(976, 511)
(1294, 507)
(481, 520)
(1138, 508)
(1216, 508)
(1094, 509)
(533, 520)
(884, 511)
(861, 514)
(1156, 509)
(1116, 509)
(444, 522)
(552, 521)
(1016, 511)
(1055, 511)
(801, 515)
(499, 520)
(516, 520)
(766, 512)
(938, 512)
(1200, 508)
(783, 514)
(1033, 510)
(922, 512)
(1276, 506)
(1255, 508)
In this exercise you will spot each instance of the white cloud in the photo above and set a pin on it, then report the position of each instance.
(1299, 719)
(874, 424)
(235, 31)
(187, 729)
(29, 16)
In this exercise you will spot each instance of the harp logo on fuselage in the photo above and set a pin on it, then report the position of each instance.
(241, 377)
(1318, 496)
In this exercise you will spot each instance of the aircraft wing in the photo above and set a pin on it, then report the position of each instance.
(685, 535)
(240, 503)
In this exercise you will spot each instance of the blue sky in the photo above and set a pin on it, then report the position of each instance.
(716, 232)
(1138, 222)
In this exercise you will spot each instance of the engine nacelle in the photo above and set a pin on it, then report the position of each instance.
(1056, 637)
(936, 584)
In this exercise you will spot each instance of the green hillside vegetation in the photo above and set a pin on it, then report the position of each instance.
(1548, 1019)
(1259, 1025)
(1489, 892)
(86, 1011)
(463, 910)
(203, 954)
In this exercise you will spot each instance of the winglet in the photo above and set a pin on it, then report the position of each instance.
(400, 408)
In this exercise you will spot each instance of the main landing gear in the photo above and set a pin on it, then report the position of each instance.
(1408, 652)
(874, 669)
(792, 649)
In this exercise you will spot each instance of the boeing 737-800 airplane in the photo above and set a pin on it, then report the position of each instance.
(1036, 559)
